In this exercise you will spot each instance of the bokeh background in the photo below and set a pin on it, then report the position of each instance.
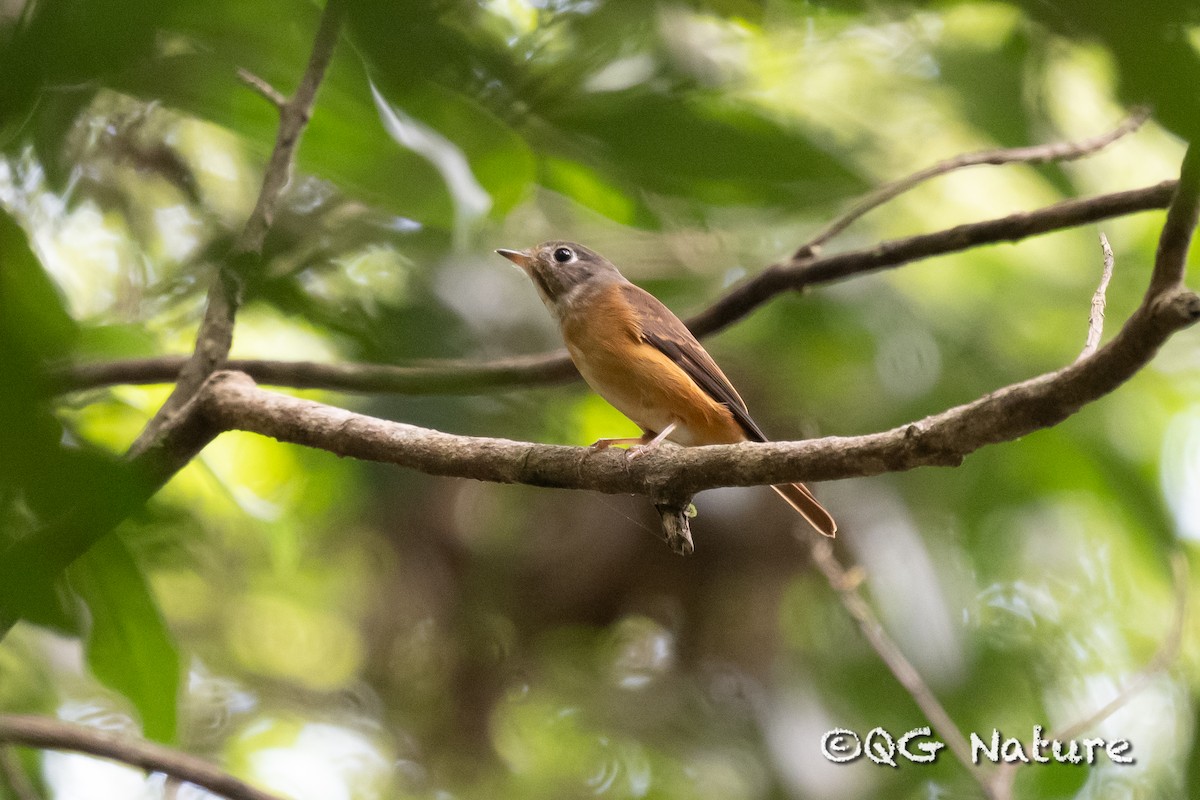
(334, 629)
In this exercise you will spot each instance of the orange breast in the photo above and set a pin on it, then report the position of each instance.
(638, 379)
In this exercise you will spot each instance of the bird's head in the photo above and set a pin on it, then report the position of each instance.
(560, 270)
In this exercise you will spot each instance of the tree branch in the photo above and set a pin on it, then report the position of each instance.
(458, 377)
(1170, 260)
(800, 273)
(1099, 300)
(846, 586)
(52, 734)
(293, 119)
(232, 401)
(175, 435)
(215, 336)
(260, 85)
(1037, 154)
(442, 377)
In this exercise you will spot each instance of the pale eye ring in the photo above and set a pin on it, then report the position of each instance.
(563, 254)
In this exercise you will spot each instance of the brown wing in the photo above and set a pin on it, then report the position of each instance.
(664, 331)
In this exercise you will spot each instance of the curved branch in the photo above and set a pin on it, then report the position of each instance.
(51, 734)
(458, 377)
(1170, 259)
(1037, 154)
(232, 401)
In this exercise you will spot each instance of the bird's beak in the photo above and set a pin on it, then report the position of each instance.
(521, 258)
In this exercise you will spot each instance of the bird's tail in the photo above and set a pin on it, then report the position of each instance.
(800, 498)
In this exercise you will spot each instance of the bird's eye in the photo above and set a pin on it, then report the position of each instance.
(563, 254)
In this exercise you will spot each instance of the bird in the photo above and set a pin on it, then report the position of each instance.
(637, 355)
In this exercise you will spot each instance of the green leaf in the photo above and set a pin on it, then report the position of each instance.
(128, 646)
(1156, 60)
(500, 160)
(705, 148)
(345, 143)
(32, 310)
(71, 42)
(38, 475)
(592, 188)
(34, 327)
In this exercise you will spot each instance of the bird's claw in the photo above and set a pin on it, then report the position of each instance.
(639, 451)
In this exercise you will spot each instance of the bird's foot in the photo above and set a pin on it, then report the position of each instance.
(639, 451)
(604, 444)
(650, 444)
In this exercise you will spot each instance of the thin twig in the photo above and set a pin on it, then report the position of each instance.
(442, 377)
(897, 663)
(1037, 154)
(1099, 299)
(260, 85)
(215, 336)
(801, 273)
(458, 377)
(14, 775)
(1164, 657)
(293, 118)
(52, 734)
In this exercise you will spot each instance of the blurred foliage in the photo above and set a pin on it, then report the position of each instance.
(331, 629)
(128, 646)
